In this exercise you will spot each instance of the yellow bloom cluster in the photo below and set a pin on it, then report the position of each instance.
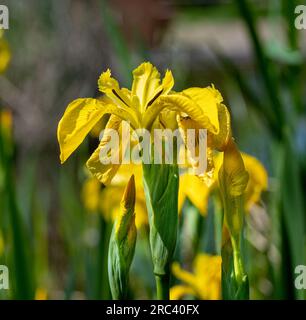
(203, 283)
(198, 192)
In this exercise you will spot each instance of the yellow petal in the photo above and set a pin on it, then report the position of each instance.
(258, 180)
(168, 119)
(183, 275)
(208, 99)
(206, 116)
(168, 82)
(6, 121)
(110, 202)
(207, 269)
(79, 118)
(110, 87)
(91, 194)
(146, 81)
(220, 140)
(5, 55)
(179, 291)
(196, 191)
(141, 210)
(146, 85)
(116, 187)
(105, 172)
(193, 157)
(119, 96)
(41, 294)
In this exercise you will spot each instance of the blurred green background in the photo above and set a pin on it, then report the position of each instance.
(250, 50)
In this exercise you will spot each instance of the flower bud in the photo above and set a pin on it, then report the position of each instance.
(122, 243)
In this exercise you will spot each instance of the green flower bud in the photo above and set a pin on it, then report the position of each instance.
(122, 243)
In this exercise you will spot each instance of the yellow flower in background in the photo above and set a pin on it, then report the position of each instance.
(6, 121)
(91, 192)
(204, 282)
(107, 200)
(41, 294)
(258, 180)
(198, 192)
(5, 54)
(1, 244)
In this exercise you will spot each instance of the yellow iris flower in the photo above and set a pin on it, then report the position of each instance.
(205, 281)
(198, 192)
(5, 54)
(141, 107)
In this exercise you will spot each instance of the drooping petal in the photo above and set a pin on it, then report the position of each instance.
(208, 99)
(206, 116)
(79, 118)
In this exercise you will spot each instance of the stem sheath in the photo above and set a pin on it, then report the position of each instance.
(162, 286)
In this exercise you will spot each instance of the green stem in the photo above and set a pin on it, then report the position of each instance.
(238, 267)
(162, 286)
